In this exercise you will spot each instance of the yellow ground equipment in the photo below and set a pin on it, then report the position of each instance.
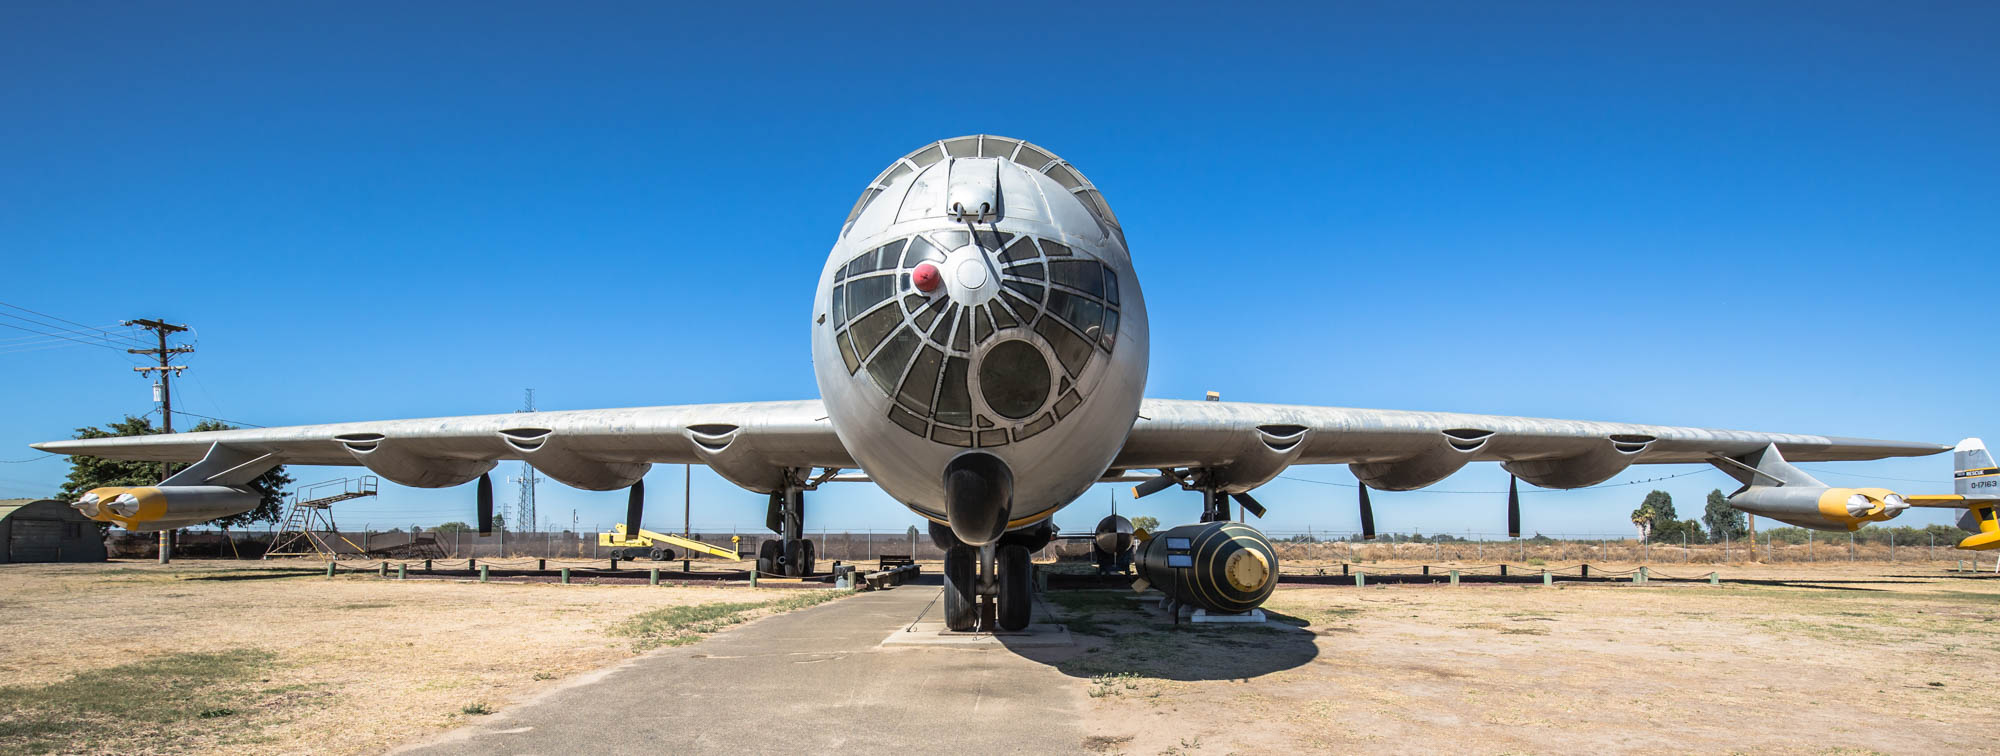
(655, 545)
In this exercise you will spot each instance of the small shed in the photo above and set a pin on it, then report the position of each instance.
(47, 531)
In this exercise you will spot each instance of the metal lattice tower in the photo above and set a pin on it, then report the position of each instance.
(524, 506)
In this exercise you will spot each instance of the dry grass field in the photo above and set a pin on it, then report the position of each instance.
(211, 657)
(1805, 659)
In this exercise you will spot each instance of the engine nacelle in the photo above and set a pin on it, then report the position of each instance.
(1228, 566)
(145, 508)
(1820, 507)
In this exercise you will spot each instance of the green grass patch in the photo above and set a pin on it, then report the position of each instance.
(147, 705)
(681, 625)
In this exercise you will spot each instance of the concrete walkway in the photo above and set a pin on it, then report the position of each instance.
(812, 681)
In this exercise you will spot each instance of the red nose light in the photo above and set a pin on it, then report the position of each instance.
(926, 277)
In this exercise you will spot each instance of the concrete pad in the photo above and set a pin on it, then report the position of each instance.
(1036, 635)
(817, 680)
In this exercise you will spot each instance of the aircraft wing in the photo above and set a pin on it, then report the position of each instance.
(1402, 450)
(749, 443)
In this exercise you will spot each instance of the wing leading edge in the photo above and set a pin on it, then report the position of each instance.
(1402, 450)
(750, 443)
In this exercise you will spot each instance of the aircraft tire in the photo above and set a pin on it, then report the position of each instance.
(961, 583)
(795, 558)
(1017, 576)
(767, 557)
(812, 556)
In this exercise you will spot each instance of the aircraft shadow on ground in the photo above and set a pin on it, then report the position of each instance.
(1116, 635)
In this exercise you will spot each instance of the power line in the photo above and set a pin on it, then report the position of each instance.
(218, 419)
(128, 336)
(57, 335)
(21, 461)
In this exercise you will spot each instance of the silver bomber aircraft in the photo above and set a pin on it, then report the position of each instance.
(980, 342)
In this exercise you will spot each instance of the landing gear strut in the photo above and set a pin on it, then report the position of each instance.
(791, 555)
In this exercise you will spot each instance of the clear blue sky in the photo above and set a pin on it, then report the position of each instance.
(1760, 216)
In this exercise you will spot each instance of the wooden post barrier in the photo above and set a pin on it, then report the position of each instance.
(565, 576)
(482, 573)
(1454, 577)
(402, 572)
(1360, 579)
(1546, 578)
(653, 576)
(329, 569)
(1503, 570)
(382, 570)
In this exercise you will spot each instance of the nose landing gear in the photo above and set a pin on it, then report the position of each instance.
(990, 587)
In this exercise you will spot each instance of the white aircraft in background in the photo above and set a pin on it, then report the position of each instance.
(980, 341)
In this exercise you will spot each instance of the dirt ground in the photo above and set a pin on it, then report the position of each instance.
(1792, 659)
(301, 664)
(225, 656)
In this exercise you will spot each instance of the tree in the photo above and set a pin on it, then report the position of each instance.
(1146, 523)
(87, 472)
(1723, 521)
(1656, 520)
(453, 527)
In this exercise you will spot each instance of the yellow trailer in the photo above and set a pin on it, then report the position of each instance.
(654, 545)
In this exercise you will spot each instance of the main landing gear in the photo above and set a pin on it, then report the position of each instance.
(791, 554)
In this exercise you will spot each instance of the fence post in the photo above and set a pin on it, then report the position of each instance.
(1503, 570)
(402, 572)
(1546, 579)
(1360, 579)
(653, 576)
(329, 568)
(482, 573)
(1586, 569)
(1454, 577)
(1714, 579)
(427, 565)
(565, 576)
(1640, 577)
(382, 570)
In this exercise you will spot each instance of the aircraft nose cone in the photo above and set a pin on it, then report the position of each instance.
(971, 274)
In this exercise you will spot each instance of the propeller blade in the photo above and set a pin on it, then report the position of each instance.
(1249, 505)
(635, 505)
(1513, 507)
(1367, 516)
(1156, 485)
(485, 504)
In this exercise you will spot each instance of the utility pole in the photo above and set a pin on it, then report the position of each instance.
(165, 372)
(524, 507)
(1753, 537)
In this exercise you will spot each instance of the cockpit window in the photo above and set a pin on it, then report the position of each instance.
(919, 348)
(921, 251)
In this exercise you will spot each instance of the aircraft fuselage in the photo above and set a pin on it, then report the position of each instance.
(981, 302)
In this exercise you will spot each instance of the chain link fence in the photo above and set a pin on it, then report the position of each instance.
(1301, 547)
